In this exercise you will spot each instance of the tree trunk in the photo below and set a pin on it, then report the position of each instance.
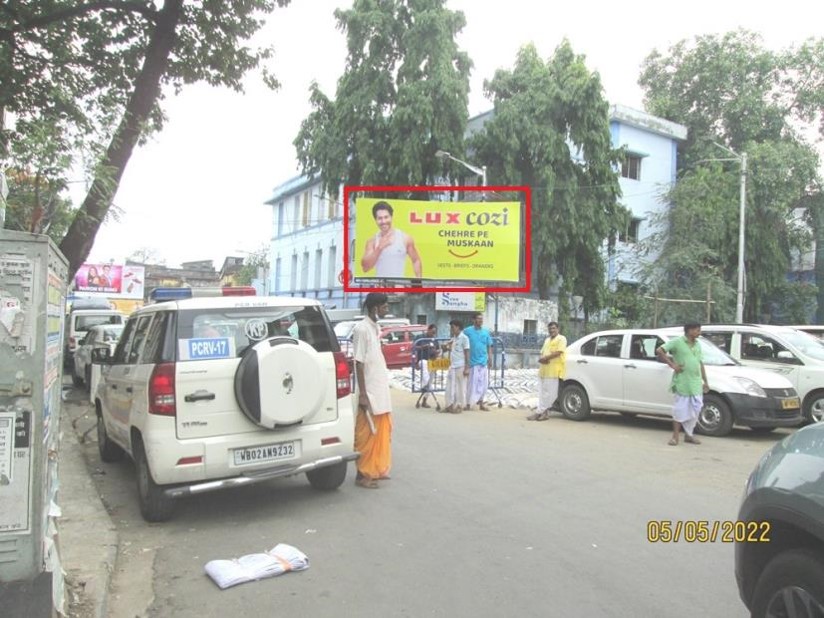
(77, 243)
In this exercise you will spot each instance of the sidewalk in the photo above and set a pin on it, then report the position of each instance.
(88, 539)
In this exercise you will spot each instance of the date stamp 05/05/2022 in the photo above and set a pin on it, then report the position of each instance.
(705, 531)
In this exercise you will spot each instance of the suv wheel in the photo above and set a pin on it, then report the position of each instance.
(715, 418)
(88, 378)
(155, 505)
(76, 379)
(814, 407)
(575, 403)
(792, 584)
(327, 478)
(109, 451)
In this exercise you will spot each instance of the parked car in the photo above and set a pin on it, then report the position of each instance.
(796, 355)
(398, 342)
(343, 330)
(211, 393)
(618, 371)
(78, 323)
(102, 336)
(779, 549)
(816, 330)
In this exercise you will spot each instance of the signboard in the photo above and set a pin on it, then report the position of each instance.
(460, 301)
(437, 241)
(111, 280)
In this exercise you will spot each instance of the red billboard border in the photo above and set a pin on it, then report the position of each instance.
(347, 189)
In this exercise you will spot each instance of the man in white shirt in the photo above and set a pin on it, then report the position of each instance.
(456, 389)
(373, 425)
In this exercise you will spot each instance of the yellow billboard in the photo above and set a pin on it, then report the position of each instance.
(437, 241)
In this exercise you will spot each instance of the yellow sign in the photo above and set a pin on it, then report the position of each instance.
(445, 241)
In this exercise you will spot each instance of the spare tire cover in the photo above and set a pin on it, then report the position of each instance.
(279, 381)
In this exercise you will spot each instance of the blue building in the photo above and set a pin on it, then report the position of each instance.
(307, 232)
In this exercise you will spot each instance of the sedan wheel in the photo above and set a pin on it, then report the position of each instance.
(716, 418)
(575, 403)
(814, 408)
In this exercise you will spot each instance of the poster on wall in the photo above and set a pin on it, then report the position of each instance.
(111, 280)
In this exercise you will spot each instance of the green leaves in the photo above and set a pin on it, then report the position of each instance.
(550, 131)
(402, 97)
(729, 89)
(91, 74)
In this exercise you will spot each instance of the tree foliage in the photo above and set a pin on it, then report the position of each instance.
(550, 131)
(730, 90)
(254, 260)
(93, 74)
(402, 97)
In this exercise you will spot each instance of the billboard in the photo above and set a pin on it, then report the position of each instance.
(437, 241)
(110, 280)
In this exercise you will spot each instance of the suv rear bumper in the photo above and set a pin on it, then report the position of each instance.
(762, 411)
(258, 476)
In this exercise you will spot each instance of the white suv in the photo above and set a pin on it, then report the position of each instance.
(207, 393)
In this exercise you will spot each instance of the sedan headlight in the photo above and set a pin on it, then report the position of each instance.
(751, 387)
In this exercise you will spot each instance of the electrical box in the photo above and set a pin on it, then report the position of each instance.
(33, 277)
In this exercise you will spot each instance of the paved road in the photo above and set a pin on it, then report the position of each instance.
(486, 515)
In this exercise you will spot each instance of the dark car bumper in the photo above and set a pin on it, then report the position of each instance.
(764, 411)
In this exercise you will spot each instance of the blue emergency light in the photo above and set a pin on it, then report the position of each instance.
(159, 295)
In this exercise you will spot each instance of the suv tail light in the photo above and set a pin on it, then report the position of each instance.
(162, 390)
(343, 377)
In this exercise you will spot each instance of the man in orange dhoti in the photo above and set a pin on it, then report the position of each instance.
(373, 425)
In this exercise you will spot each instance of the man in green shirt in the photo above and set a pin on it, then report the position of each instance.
(689, 381)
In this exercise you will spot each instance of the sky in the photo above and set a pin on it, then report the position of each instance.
(197, 190)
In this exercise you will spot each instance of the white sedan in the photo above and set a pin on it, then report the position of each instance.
(618, 371)
(102, 336)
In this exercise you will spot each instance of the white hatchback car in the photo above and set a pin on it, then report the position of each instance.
(618, 371)
(208, 393)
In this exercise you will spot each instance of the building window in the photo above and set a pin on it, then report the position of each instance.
(296, 214)
(306, 206)
(294, 273)
(304, 272)
(281, 215)
(332, 266)
(277, 275)
(530, 327)
(318, 268)
(631, 233)
(421, 318)
(631, 167)
(333, 207)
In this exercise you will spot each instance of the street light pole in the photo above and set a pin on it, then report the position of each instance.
(480, 171)
(739, 305)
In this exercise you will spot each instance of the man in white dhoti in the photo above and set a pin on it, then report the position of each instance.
(689, 381)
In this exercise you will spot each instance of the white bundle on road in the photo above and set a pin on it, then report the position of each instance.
(280, 559)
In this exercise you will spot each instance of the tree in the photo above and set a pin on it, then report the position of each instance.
(97, 69)
(147, 255)
(730, 90)
(402, 97)
(255, 260)
(550, 131)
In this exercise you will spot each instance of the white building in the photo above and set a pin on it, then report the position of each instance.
(307, 227)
